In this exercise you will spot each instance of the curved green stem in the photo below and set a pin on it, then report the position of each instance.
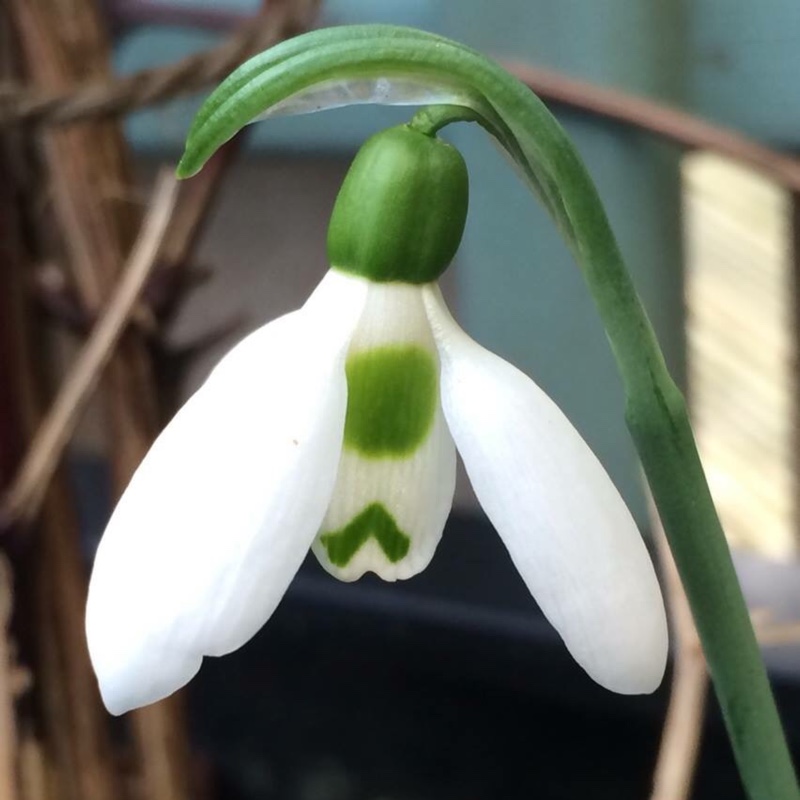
(431, 119)
(400, 65)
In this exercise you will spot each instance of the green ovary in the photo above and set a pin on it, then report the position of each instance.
(375, 521)
(391, 401)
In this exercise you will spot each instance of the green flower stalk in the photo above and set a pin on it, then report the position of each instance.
(385, 64)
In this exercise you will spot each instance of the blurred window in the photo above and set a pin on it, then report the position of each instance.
(741, 348)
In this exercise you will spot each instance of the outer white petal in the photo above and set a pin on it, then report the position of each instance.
(566, 527)
(362, 91)
(416, 489)
(223, 509)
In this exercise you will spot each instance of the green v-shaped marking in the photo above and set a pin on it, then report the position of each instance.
(375, 521)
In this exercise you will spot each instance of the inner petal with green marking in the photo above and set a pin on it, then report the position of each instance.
(396, 477)
(375, 521)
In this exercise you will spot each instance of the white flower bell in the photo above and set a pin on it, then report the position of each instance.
(335, 428)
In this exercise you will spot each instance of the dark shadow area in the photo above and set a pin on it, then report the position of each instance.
(450, 686)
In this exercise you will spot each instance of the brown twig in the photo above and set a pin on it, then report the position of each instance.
(25, 495)
(150, 86)
(778, 634)
(65, 43)
(683, 726)
(8, 693)
(672, 124)
(64, 751)
(34, 777)
(166, 289)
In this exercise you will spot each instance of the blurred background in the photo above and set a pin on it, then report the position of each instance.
(452, 685)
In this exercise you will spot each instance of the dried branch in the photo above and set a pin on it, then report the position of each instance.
(8, 692)
(778, 634)
(676, 126)
(151, 86)
(24, 497)
(683, 726)
(65, 43)
(64, 751)
(33, 768)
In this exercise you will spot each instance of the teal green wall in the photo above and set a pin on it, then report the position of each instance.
(744, 59)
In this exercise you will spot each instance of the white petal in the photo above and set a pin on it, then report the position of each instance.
(566, 527)
(222, 510)
(389, 508)
(363, 91)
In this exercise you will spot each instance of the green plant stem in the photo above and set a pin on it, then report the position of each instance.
(431, 119)
(655, 409)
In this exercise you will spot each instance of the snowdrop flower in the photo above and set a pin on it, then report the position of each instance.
(335, 428)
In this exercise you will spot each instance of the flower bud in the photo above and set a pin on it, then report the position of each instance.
(401, 210)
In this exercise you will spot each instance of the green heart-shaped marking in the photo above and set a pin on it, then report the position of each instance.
(392, 392)
(375, 521)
